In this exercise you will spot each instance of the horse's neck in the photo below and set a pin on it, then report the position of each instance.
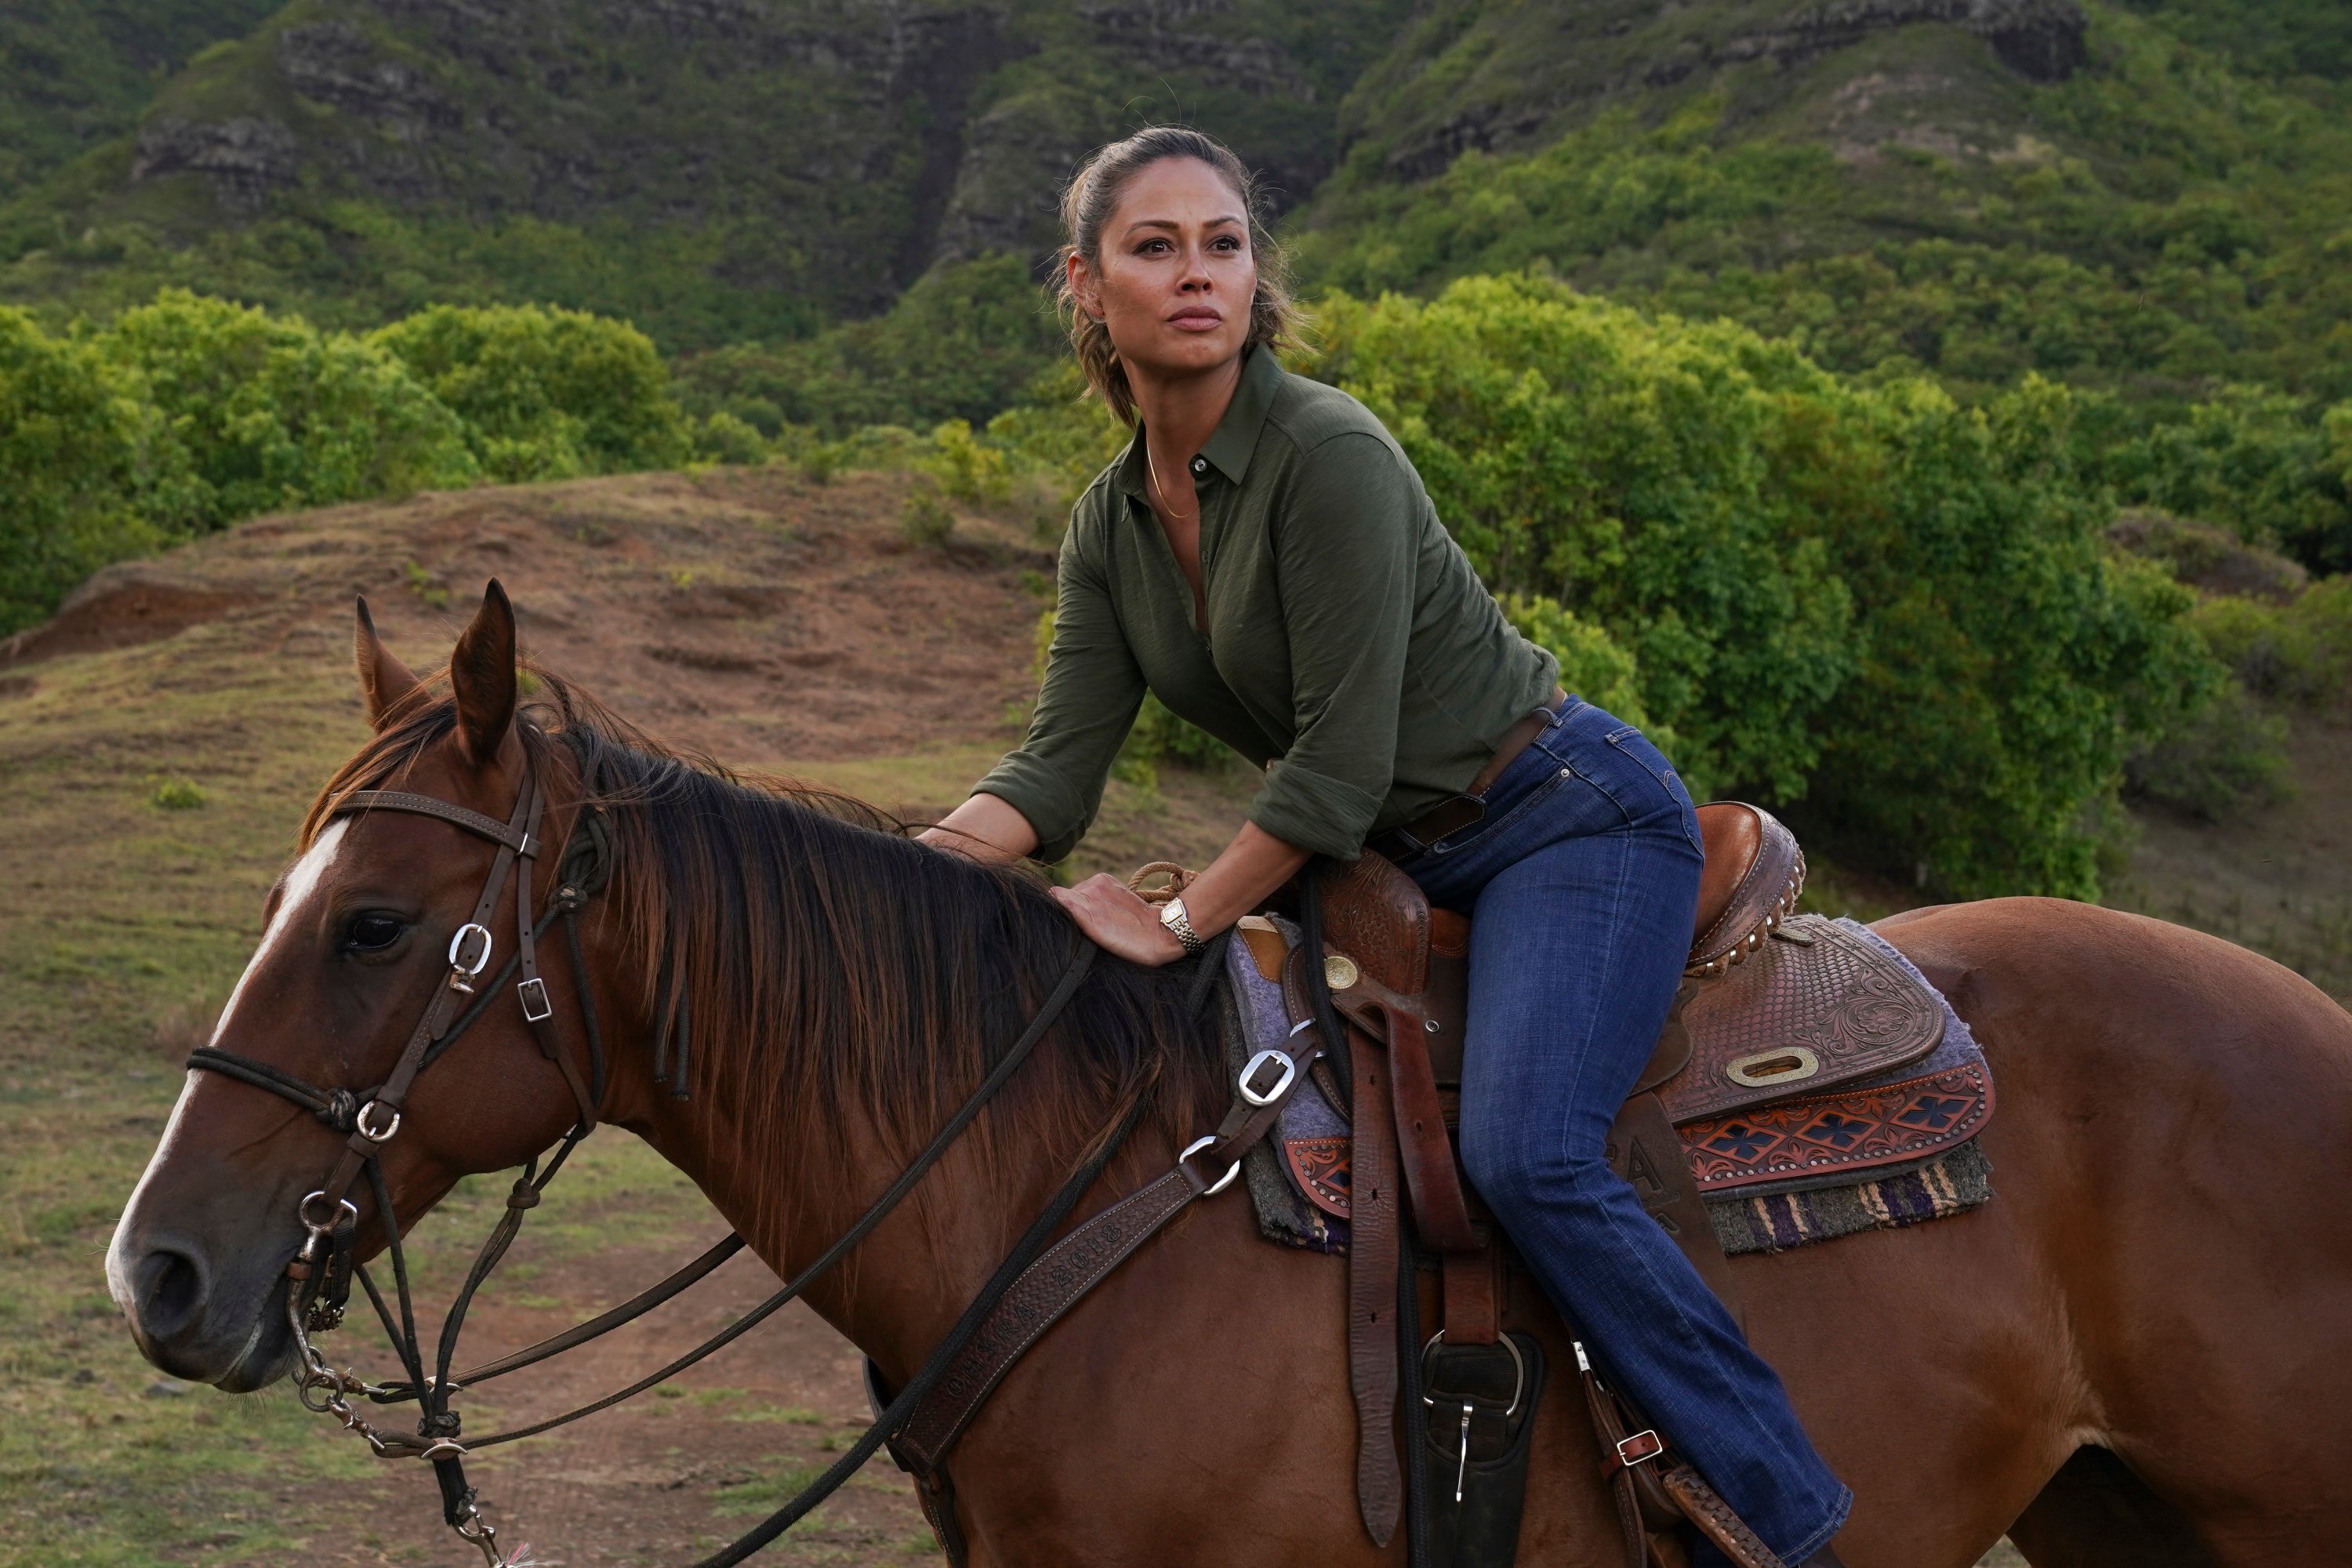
(898, 1293)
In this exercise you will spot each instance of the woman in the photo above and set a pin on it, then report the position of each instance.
(1263, 558)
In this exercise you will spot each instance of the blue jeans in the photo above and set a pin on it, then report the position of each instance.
(1582, 879)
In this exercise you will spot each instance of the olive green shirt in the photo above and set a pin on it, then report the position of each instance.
(1351, 648)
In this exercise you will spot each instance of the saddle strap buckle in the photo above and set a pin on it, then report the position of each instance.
(1273, 1056)
(1639, 1449)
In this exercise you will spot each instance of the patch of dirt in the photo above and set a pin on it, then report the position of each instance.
(2273, 878)
(123, 605)
(745, 613)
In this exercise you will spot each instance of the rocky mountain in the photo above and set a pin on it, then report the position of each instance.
(2149, 189)
(74, 73)
(777, 162)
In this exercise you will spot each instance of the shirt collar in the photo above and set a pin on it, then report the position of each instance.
(1229, 447)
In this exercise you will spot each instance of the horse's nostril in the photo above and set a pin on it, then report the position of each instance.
(171, 1288)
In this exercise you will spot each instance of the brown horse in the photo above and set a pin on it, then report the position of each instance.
(2140, 1352)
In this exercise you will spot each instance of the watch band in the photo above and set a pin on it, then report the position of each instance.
(1172, 916)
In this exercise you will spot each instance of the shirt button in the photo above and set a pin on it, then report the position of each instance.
(1199, 465)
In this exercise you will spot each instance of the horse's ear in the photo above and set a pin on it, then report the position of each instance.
(384, 682)
(482, 677)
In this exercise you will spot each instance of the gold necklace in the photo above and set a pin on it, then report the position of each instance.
(1161, 491)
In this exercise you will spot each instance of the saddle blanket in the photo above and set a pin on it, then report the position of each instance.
(1882, 1153)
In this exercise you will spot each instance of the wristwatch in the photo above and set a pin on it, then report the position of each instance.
(1172, 916)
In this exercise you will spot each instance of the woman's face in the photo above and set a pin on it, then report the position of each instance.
(1175, 274)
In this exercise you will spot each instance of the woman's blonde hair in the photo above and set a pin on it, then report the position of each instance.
(1088, 204)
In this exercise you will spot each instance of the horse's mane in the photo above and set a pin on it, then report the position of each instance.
(811, 953)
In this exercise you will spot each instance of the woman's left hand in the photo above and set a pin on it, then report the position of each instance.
(1118, 921)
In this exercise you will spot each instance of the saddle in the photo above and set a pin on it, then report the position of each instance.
(1776, 1008)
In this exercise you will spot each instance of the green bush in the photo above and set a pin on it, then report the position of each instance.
(2269, 467)
(545, 393)
(723, 438)
(2009, 662)
(2299, 652)
(272, 413)
(972, 473)
(1872, 600)
(2227, 755)
(78, 454)
(1591, 664)
(1623, 467)
(927, 520)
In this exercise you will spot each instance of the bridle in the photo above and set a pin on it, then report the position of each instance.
(320, 1274)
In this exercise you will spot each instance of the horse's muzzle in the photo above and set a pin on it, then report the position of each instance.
(195, 1320)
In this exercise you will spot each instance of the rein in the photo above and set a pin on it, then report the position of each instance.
(320, 1273)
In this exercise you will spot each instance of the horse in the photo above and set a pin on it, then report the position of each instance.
(2139, 1352)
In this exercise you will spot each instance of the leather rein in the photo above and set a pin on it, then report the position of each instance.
(321, 1272)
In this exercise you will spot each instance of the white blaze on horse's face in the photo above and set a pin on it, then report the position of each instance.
(301, 885)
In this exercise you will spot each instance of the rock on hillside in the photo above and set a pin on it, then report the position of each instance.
(1494, 77)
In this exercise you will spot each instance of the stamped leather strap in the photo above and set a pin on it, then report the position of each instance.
(1081, 1260)
(1052, 1286)
(1373, 1221)
(1440, 1213)
(1705, 1508)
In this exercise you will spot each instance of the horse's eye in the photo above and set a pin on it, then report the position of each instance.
(372, 931)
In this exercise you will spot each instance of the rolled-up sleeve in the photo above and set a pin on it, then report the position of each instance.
(1092, 689)
(1344, 550)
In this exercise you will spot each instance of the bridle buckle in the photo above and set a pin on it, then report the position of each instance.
(536, 1007)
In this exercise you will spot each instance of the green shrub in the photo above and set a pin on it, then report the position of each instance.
(1580, 453)
(2010, 662)
(1895, 609)
(2267, 465)
(2229, 754)
(272, 413)
(545, 393)
(2298, 652)
(79, 455)
(927, 519)
(974, 474)
(1591, 664)
(723, 438)
(178, 794)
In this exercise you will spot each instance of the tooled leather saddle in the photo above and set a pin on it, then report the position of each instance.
(1777, 1011)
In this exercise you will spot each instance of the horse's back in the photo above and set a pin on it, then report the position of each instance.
(2165, 1269)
